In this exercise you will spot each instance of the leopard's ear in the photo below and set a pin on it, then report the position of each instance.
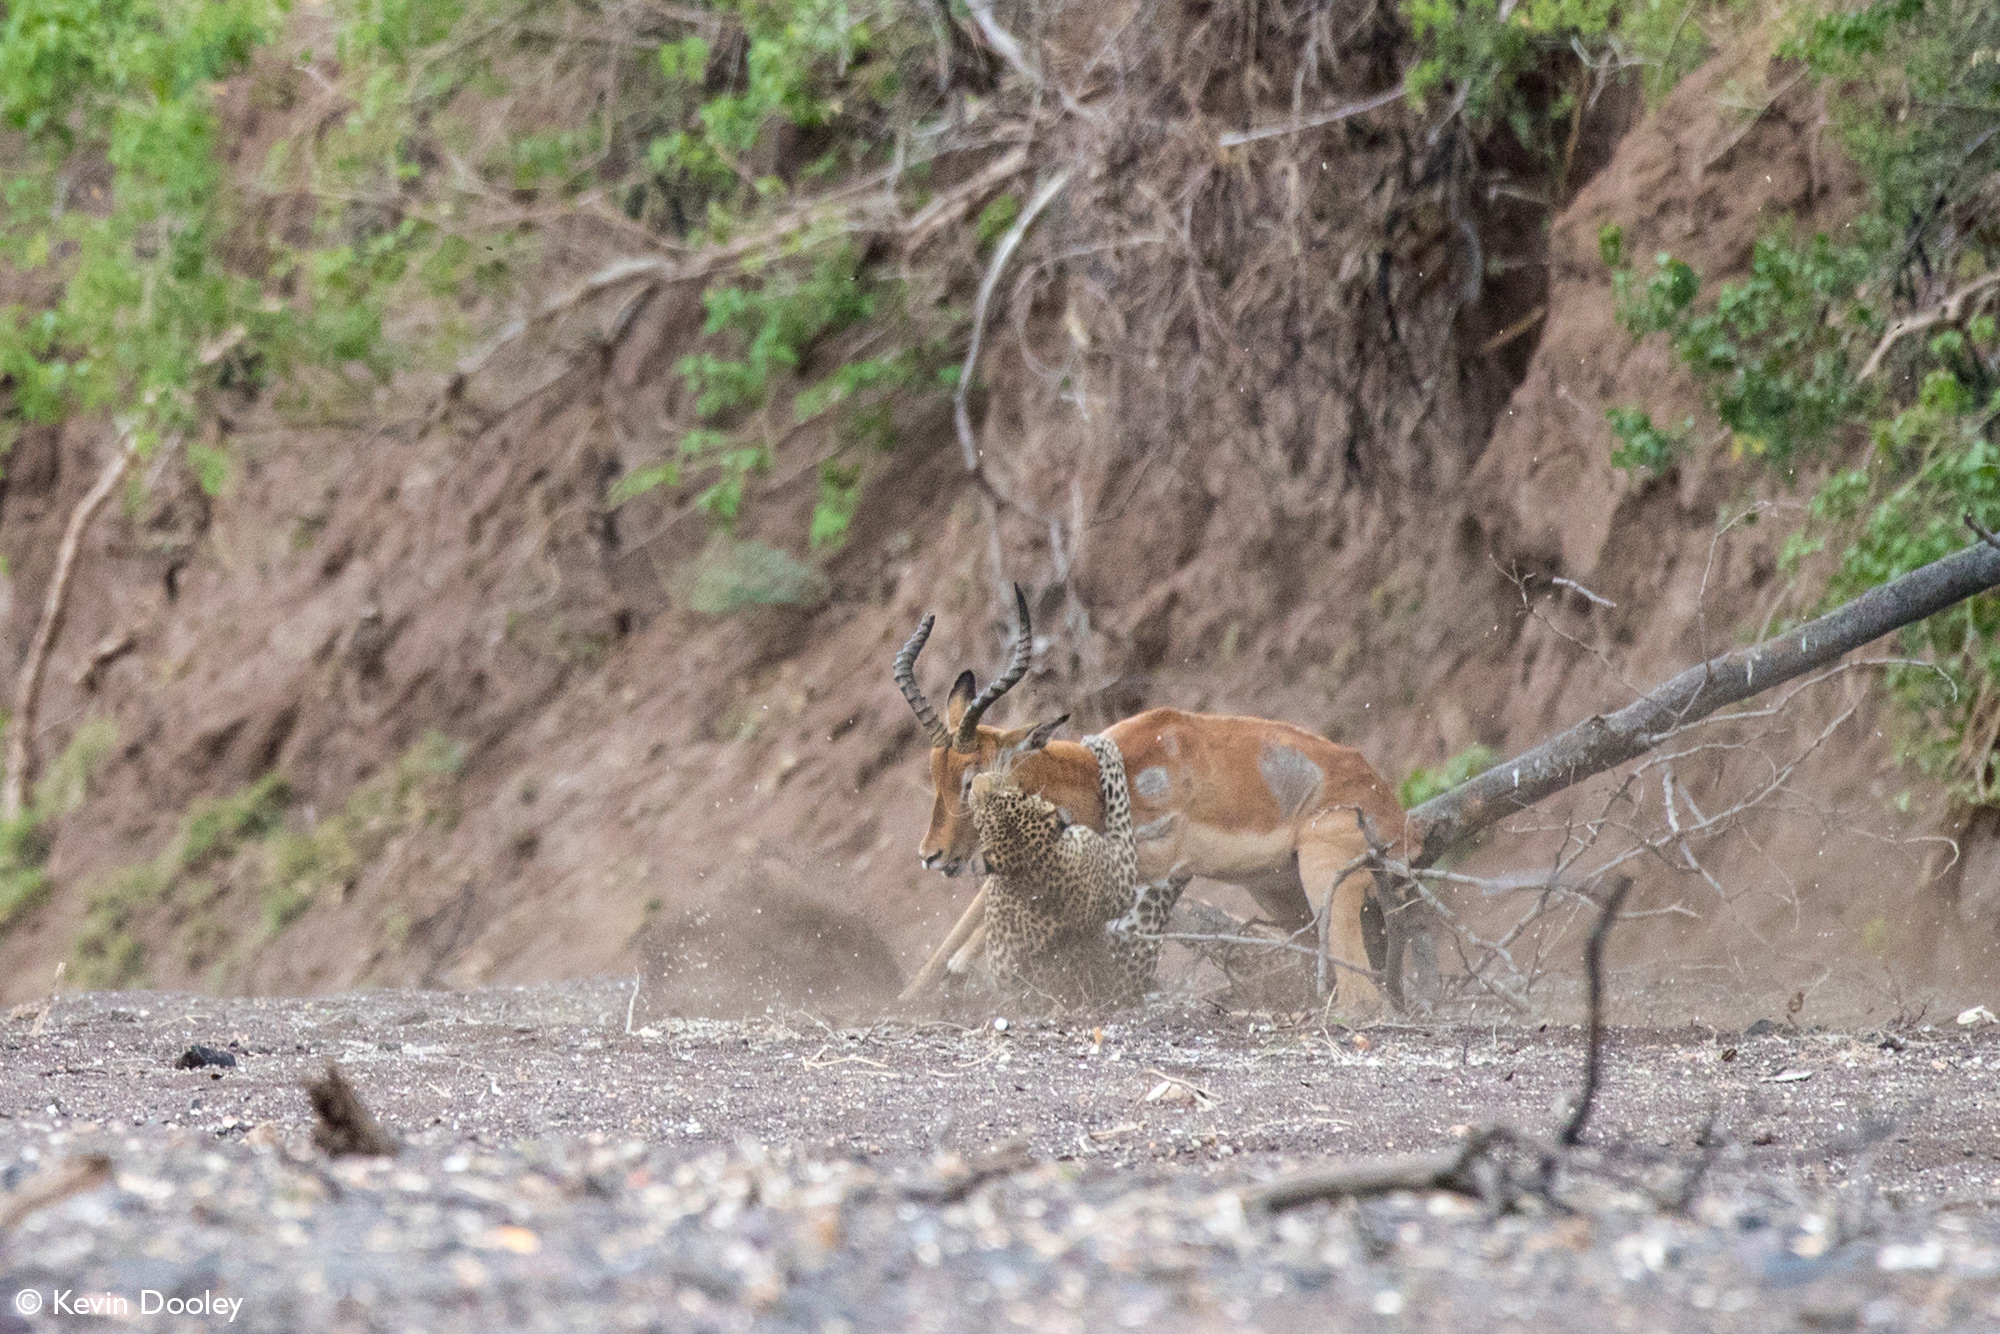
(1063, 818)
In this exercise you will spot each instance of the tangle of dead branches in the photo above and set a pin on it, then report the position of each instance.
(1746, 761)
(1497, 1164)
(1230, 197)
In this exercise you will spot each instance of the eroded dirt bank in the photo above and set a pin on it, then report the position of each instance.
(1314, 519)
(564, 1174)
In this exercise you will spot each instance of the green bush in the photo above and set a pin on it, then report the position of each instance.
(1423, 784)
(246, 839)
(108, 951)
(762, 335)
(1484, 55)
(1642, 447)
(24, 844)
(145, 316)
(734, 575)
(1776, 353)
(1779, 354)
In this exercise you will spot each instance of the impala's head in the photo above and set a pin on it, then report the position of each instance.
(962, 746)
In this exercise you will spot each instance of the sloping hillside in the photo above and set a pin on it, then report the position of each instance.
(1275, 429)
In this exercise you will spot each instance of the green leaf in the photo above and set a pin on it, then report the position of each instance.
(641, 480)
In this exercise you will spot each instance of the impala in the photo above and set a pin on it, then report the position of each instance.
(1246, 801)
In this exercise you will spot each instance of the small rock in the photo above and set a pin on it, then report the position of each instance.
(197, 1056)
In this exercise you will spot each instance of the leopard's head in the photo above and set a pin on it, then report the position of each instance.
(1015, 827)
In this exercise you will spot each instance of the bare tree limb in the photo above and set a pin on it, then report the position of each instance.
(1003, 41)
(1452, 1172)
(1603, 742)
(1948, 311)
(28, 686)
(952, 204)
(1587, 595)
(1235, 138)
(961, 413)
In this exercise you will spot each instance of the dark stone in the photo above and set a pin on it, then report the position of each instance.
(198, 1056)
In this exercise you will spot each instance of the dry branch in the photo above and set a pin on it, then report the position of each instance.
(1003, 42)
(1603, 742)
(1235, 138)
(28, 686)
(1456, 1172)
(1949, 311)
(1477, 1168)
(961, 414)
(1593, 967)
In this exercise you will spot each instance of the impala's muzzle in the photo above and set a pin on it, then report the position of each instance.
(951, 866)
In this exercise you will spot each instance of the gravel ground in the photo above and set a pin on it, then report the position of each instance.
(561, 1174)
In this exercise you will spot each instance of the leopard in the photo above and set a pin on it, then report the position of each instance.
(1065, 924)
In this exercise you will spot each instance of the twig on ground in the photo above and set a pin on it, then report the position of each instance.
(76, 1175)
(341, 1125)
(1593, 967)
(957, 1177)
(1458, 1172)
(1476, 1169)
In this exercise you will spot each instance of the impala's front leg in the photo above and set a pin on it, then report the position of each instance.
(1323, 854)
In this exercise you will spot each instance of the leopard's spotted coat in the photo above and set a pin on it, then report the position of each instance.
(1065, 924)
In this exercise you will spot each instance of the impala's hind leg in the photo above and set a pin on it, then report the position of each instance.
(1323, 855)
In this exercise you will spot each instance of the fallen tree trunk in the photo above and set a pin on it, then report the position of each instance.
(1605, 741)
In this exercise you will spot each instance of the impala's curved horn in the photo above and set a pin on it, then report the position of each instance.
(1017, 667)
(906, 681)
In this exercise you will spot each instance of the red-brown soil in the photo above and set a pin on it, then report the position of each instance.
(740, 799)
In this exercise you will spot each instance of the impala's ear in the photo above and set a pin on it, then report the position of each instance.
(1041, 734)
(1025, 741)
(962, 691)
